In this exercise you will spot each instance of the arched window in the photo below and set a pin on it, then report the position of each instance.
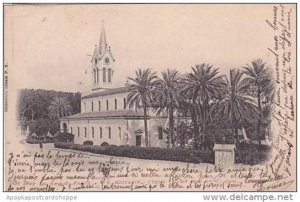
(65, 128)
(97, 75)
(120, 132)
(100, 132)
(78, 131)
(99, 106)
(104, 74)
(109, 75)
(92, 132)
(160, 133)
(85, 132)
(116, 104)
(94, 74)
(125, 103)
(109, 133)
(92, 106)
(107, 105)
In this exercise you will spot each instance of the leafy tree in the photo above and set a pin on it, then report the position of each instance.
(141, 89)
(34, 104)
(26, 105)
(42, 126)
(75, 99)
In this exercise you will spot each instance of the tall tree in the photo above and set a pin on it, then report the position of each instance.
(258, 77)
(59, 107)
(166, 97)
(237, 104)
(26, 105)
(201, 85)
(141, 89)
(34, 104)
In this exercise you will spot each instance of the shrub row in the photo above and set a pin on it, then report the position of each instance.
(64, 137)
(252, 154)
(31, 140)
(61, 137)
(151, 153)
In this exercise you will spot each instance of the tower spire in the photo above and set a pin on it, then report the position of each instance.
(102, 42)
(95, 54)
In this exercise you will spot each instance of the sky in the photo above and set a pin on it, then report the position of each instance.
(48, 47)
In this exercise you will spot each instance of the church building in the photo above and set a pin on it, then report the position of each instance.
(105, 116)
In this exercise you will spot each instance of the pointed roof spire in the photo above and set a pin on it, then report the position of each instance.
(95, 54)
(102, 42)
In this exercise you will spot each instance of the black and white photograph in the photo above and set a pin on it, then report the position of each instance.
(149, 97)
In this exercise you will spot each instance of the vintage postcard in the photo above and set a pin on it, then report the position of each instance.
(150, 97)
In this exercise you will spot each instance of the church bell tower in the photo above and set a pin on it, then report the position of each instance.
(102, 64)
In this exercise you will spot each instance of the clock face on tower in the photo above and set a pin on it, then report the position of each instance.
(106, 60)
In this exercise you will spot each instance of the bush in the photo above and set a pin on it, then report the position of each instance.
(32, 140)
(246, 153)
(64, 137)
(63, 145)
(88, 142)
(151, 153)
(223, 136)
(104, 144)
(252, 154)
(41, 126)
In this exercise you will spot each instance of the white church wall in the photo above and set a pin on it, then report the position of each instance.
(123, 132)
(133, 127)
(153, 131)
(86, 103)
(118, 127)
(154, 124)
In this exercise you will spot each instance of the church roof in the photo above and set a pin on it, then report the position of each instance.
(111, 91)
(106, 114)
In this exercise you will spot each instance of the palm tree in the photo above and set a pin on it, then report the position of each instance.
(166, 97)
(141, 93)
(59, 107)
(236, 104)
(201, 85)
(259, 78)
